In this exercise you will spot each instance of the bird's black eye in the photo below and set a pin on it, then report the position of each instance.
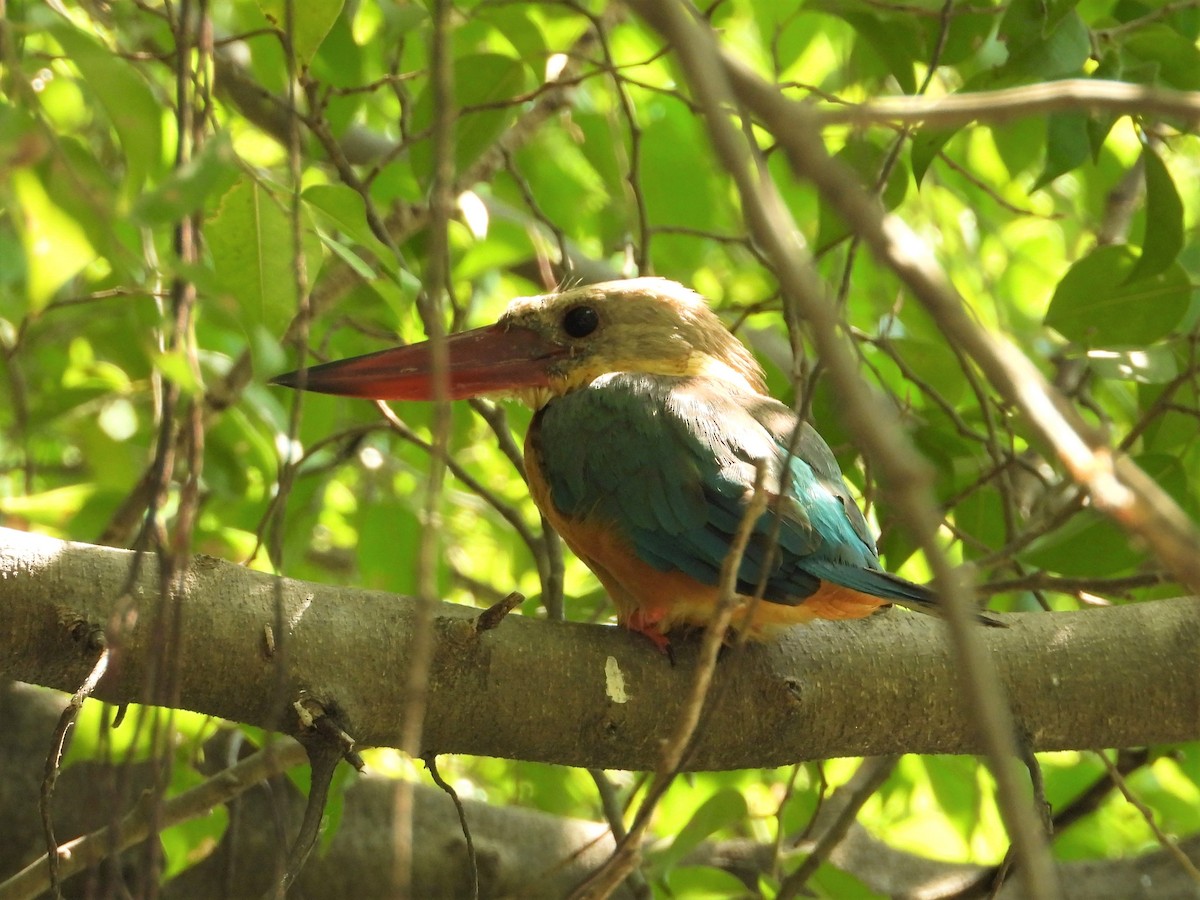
(580, 321)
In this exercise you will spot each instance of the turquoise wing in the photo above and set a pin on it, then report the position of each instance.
(670, 462)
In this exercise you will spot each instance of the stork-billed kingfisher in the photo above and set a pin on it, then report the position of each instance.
(651, 419)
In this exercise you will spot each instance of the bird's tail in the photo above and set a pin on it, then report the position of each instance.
(886, 586)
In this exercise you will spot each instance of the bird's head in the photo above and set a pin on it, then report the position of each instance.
(545, 346)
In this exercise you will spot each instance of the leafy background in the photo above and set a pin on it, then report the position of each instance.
(578, 155)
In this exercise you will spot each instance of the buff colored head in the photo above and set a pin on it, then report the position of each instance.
(545, 346)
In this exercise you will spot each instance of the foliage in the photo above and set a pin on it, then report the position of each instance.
(577, 149)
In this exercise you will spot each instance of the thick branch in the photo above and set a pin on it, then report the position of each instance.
(1122, 676)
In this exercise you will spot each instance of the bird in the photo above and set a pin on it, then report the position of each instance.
(651, 423)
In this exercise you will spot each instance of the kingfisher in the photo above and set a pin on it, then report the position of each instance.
(651, 424)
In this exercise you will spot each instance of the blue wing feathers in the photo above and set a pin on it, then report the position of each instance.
(670, 461)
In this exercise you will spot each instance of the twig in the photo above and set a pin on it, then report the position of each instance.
(627, 853)
(472, 861)
(84, 852)
(324, 754)
(1067, 95)
(430, 302)
(1168, 843)
(57, 746)
(772, 225)
(494, 614)
(871, 774)
(506, 511)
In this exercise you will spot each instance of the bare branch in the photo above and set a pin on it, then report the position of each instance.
(887, 684)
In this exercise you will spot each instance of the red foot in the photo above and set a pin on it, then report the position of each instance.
(643, 624)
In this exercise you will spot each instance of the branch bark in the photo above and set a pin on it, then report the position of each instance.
(521, 852)
(1121, 676)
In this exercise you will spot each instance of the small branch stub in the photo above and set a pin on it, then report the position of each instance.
(494, 614)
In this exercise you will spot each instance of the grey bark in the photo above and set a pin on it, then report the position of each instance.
(1123, 676)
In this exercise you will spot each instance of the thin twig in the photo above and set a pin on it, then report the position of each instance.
(628, 850)
(851, 797)
(1066, 95)
(909, 478)
(82, 853)
(472, 861)
(1168, 843)
(54, 759)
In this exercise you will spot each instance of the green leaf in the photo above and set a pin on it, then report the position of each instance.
(1145, 365)
(56, 247)
(954, 783)
(832, 882)
(1044, 43)
(212, 171)
(705, 883)
(1170, 473)
(250, 240)
(127, 100)
(1175, 57)
(346, 209)
(891, 39)
(344, 776)
(867, 160)
(519, 26)
(1068, 146)
(21, 142)
(311, 21)
(388, 534)
(721, 810)
(934, 363)
(1089, 546)
(1164, 219)
(981, 516)
(1097, 305)
(183, 842)
(926, 146)
(484, 80)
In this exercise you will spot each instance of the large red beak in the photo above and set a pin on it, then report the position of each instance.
(486, 360)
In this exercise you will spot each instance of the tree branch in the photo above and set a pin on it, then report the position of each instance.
(536, 690)
(1067, 95)
(550, 856)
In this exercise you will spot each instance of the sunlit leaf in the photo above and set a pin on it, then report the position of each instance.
(705, 883)
(720, 810)
(347, 209)
(311, 21)
(1098, 305)
(253, 251)
(212, 171)
(56, 248)
(132, 108)
(484, 86)
(832, 883)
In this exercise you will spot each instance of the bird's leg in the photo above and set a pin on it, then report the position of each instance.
(648, 625)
